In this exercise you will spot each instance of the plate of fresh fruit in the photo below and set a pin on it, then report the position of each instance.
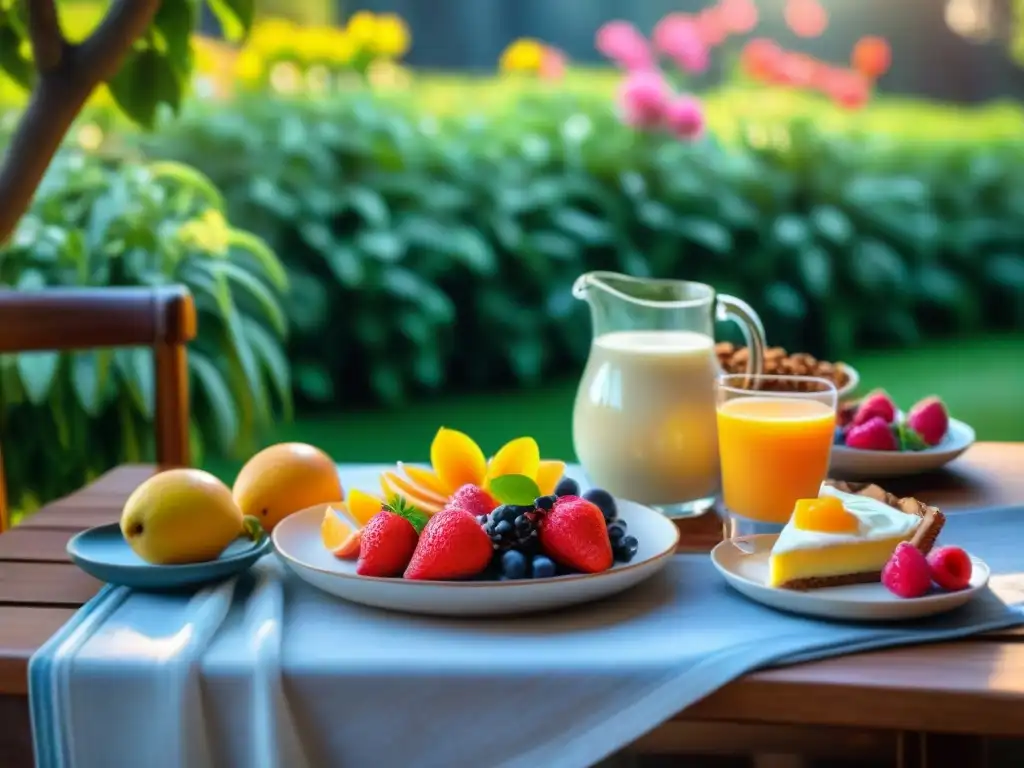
(495, 537)
(874, 438)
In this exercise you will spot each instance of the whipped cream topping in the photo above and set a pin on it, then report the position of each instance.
(876, 519)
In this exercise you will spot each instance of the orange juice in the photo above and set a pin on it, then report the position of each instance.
(774, 451)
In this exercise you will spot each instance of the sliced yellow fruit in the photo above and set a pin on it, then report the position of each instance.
(424, 478)
(457, 460)
(334, 530)
(548, 474)
(400, 483)
(516, 457)
(390, 490)
(362, 506)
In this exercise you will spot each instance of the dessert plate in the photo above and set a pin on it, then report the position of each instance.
(744, 564)
(103, 553)
(856, 463)
(298, 542)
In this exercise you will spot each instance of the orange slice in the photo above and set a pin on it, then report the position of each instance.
(362, 506)
(424, 505)
(401, 484)
(825, 515)
(338, 536)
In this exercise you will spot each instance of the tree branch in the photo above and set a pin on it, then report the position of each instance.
(60, 94)
(44, 30)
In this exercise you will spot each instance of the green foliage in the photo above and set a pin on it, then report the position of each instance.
(427, 252)
(67, 417)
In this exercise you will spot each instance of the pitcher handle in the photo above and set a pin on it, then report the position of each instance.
(741, 313)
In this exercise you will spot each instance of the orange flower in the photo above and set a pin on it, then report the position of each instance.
(806, 18)
(871, 57)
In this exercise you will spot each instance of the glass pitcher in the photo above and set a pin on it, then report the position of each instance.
(644, 423)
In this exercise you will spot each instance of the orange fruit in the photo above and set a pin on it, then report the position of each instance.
(286, 478)
(338, 536)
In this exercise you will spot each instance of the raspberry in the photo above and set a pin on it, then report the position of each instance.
(872, 435)
(929, 419)
(877, 404)
(473, 499)
(907, 573)
(950, 568)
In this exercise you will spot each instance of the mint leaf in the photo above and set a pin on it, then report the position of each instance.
(908, 438)
(519, 490)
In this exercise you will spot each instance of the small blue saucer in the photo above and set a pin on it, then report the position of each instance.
(103, 553)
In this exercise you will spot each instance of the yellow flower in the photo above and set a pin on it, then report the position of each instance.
(248, 66)
(392, 38)
(362, 28)
(457, 460)
(272, 34)
(523, 55)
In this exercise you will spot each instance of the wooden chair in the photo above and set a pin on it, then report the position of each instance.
(89, 318)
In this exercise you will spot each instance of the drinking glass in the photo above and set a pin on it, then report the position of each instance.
(775, 437)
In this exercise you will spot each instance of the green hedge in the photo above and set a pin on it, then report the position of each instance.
(427, 252)
(64, 418)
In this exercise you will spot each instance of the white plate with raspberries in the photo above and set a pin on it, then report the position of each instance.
(875, 439)
(456, 563)
(919, 587)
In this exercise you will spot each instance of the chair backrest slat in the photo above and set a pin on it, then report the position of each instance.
(89, 318)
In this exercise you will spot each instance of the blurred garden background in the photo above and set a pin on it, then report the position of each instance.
(381, 206)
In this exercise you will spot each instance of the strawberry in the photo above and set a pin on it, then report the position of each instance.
(453, 545)
(575, 534)
(877, 404)
(951, 568)
(872, 435)
(473, 499)
(907, 573)
(929, 419)
(387, 544)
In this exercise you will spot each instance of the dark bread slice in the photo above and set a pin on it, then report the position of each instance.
(924, 537)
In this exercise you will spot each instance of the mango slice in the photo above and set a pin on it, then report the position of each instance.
(401, 484)
(548, 474)
(390, 489)
(516, 457)
(457, 460)
(424, 478)
(362, 506)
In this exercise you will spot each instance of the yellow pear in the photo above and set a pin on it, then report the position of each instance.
(284, 479)
(181, 516)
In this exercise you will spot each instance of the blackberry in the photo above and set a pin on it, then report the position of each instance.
(513, 527)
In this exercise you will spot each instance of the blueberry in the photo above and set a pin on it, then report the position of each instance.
(503, 528)
(603, 501)
(544, 502)
(482, 519)
(523, 524)
(567, 487)
(627, 549)
(839, 438)
(504, 512)
(543, 567)
(513, 564)
(616, 531)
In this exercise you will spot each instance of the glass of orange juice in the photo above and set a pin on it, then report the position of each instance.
(774, 441)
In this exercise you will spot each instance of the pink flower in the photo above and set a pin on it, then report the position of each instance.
(711, 26)
(643, 98)
(677, 37)
(552, 65)
(621, 42)
(684, 116)
(739, 16)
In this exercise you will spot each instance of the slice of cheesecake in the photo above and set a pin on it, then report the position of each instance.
(847, 535)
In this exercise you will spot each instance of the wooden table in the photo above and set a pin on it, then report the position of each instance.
(930, 702)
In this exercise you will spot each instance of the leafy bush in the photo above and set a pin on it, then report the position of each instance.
(425, 251)
(66, 417)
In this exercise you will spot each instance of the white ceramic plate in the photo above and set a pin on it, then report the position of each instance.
(297, 539)
(744, 564)
(854, 463)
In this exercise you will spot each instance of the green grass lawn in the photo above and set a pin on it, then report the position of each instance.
(981, 380)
